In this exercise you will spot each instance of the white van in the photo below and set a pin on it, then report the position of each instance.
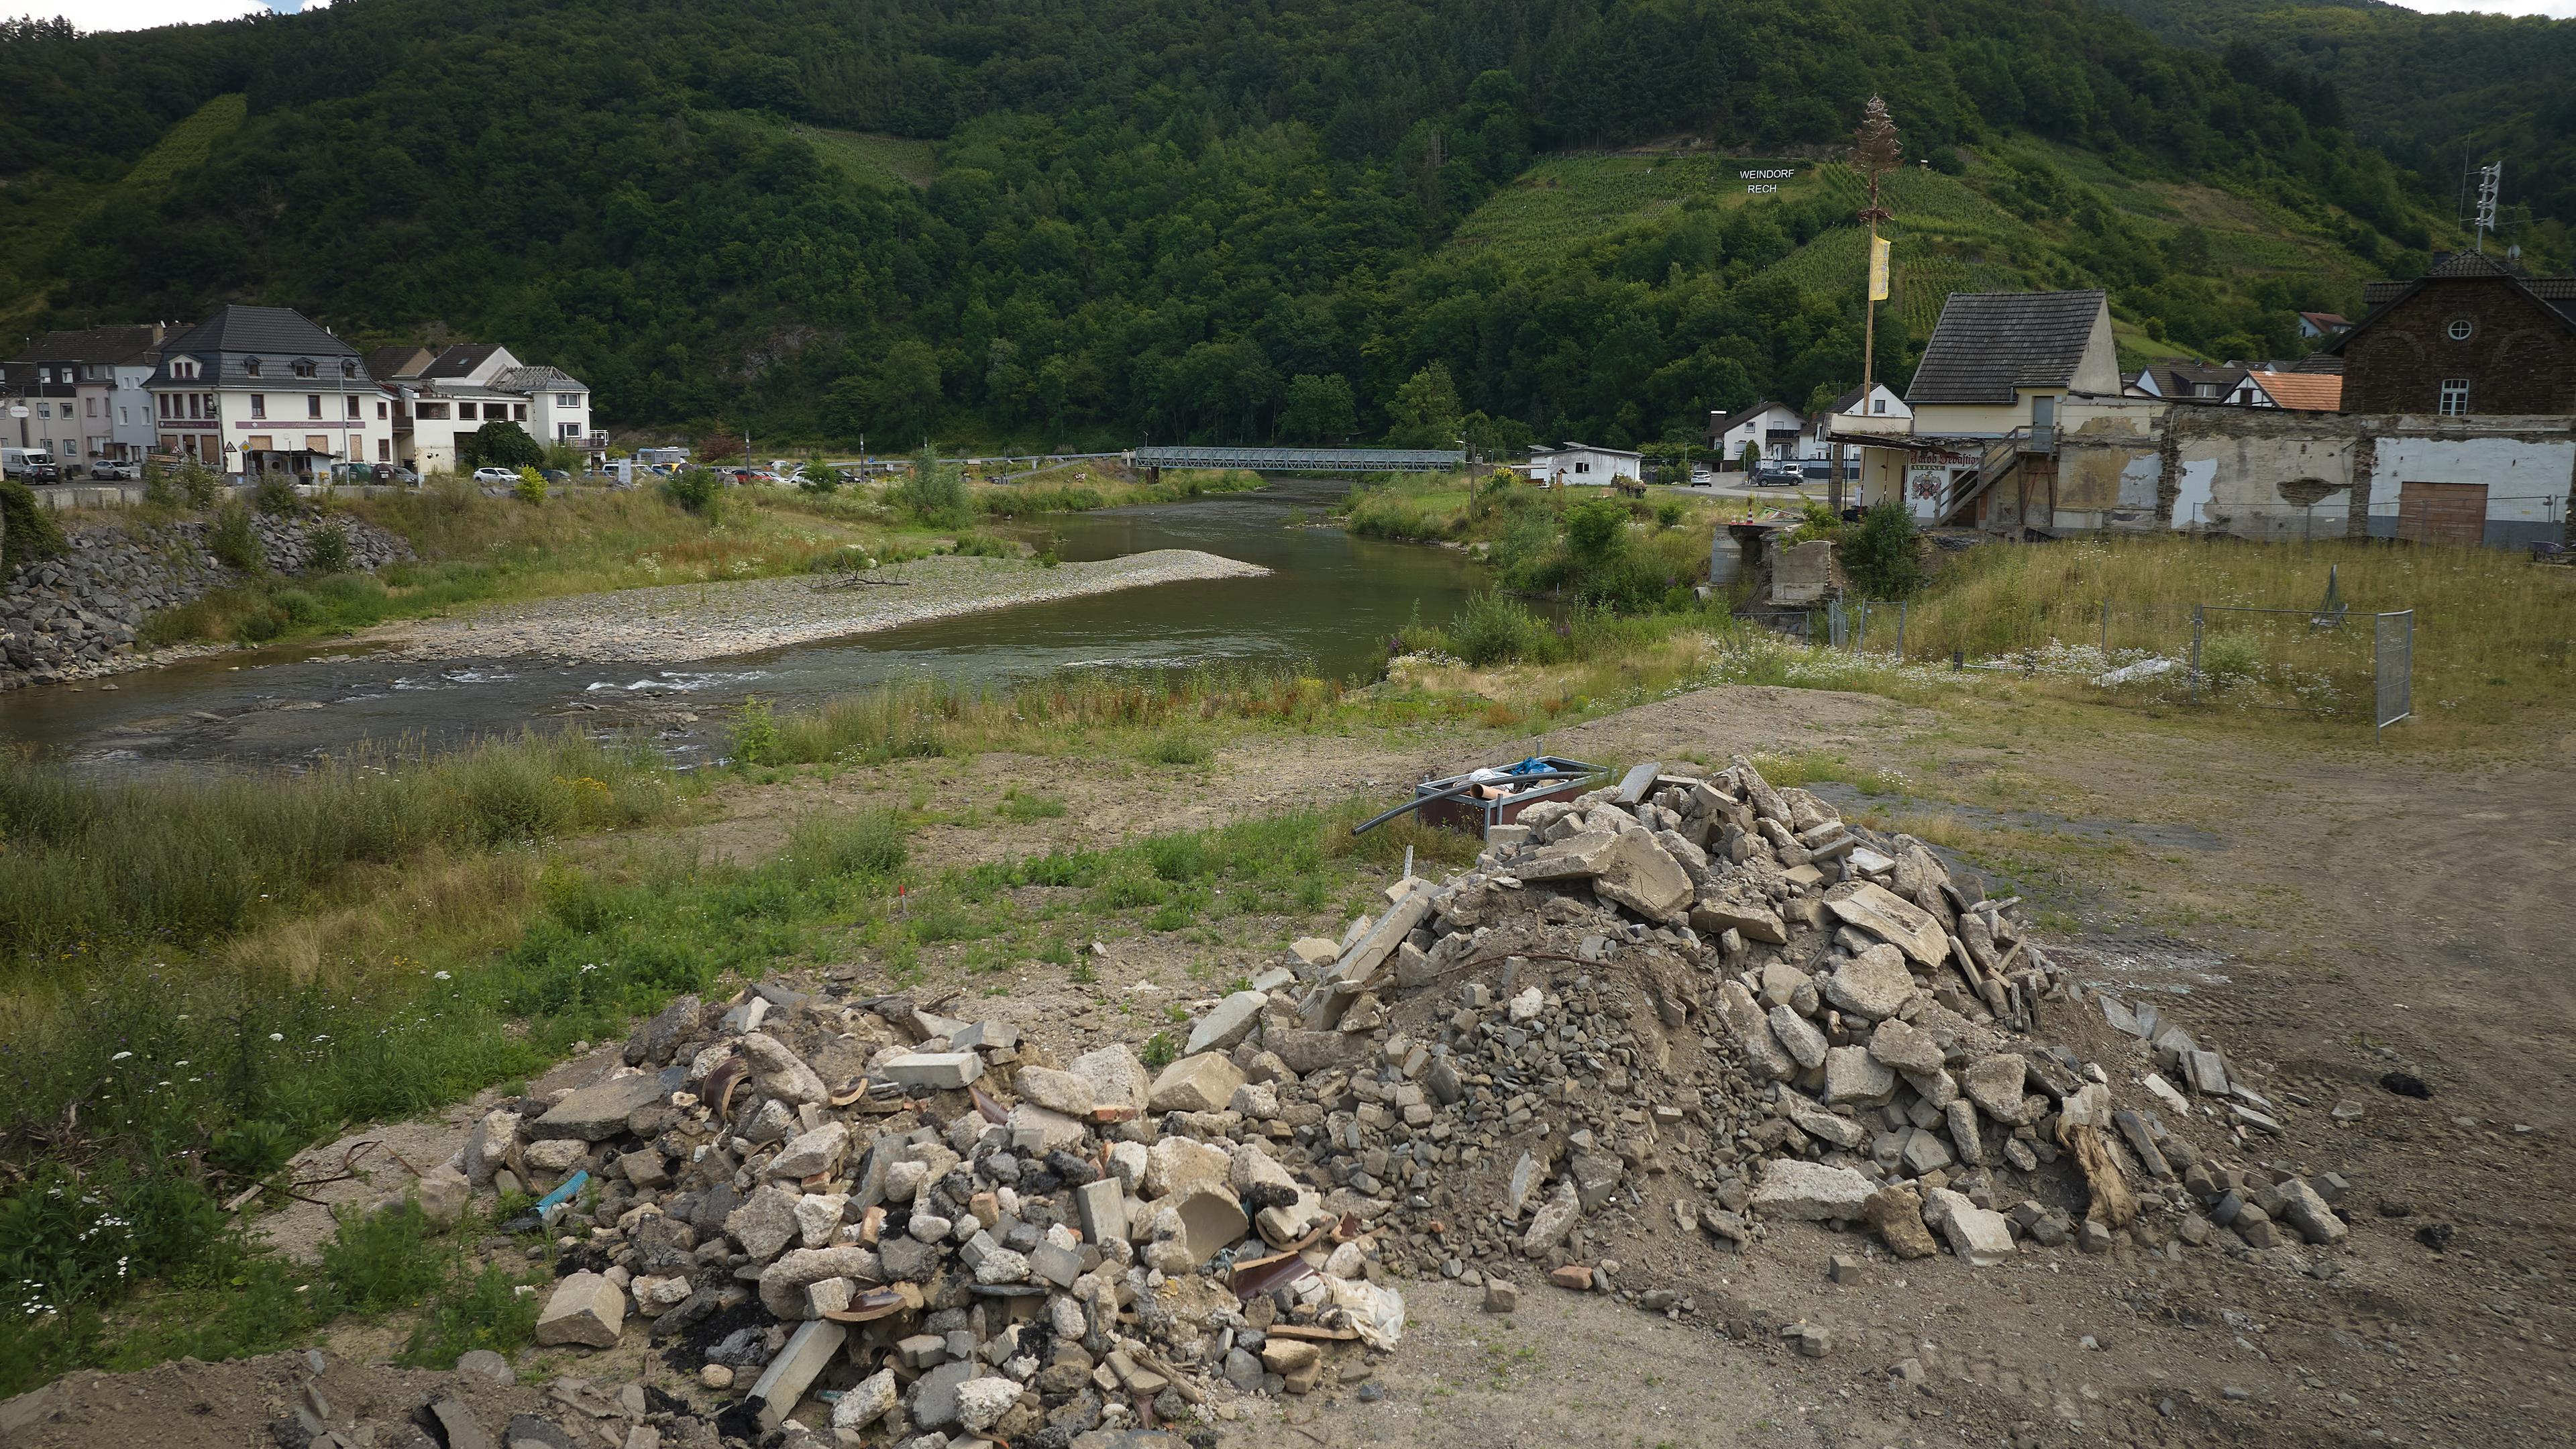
(29, 465)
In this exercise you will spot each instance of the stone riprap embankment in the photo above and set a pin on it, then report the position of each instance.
(77, 616)
(683, 622)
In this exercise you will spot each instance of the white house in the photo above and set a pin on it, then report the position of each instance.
(1573, 465)
(446, 394)
(1879, 402)
(1776, 430)
(255, 390)
(2231, 385)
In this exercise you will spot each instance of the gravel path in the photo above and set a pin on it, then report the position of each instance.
(710, 620)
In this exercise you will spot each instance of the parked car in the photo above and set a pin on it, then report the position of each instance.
(496, 475)
(558, 477)
(119, 472)
(397, 473)
(1776, 473)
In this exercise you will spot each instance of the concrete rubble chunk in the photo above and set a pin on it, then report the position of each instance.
(1227, 1022)
(1896, 1213)
(1211, 1219)
(1627, 867)
(780, 1072)
(1979, 1236)
(1994, 1083)
(1874, 984)
(1056, 1091)
(2305, 1209)
(599, 1111)
(1798, 1036)
(939, 1071)
(873, 1398)
(1751, 1028)
(462, 1429)
(1174, 1163)
(1900, 923)
(1854, 1078)
(1116, 1078)
(585, 1310)
(813, 1153)
(1759, 922)
(1900, 1046)
(1553, 1220)
(1811, 1191)
(1202, 1083)
(1314, 950)
(783, 1283)
(809, 1351)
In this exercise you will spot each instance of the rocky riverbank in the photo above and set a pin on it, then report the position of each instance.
(705, 621)
(78, 616)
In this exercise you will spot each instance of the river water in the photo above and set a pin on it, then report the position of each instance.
(1328, 607)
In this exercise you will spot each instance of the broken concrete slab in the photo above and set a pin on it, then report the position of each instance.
(585, 1310)
(1810, 1191)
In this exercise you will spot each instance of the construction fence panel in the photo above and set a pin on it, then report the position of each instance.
(2393, 667)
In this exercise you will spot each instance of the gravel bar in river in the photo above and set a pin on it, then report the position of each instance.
(680, 622)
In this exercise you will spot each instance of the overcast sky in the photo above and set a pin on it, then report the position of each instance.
(138, 14)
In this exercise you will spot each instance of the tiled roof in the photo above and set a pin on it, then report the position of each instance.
(94, 344)
(2556, 294)
(535, 379)
(2327, 321)
(461, 359)
(1989, 343)
(388, 363)
(1741, 416)
(259, 329)
(2307, 392)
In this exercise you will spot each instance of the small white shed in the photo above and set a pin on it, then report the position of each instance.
(1574, 465)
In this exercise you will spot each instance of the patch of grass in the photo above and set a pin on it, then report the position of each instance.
(482, 1310)
(1179, 747)
(1021, 807)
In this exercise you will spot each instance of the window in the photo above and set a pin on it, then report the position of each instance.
(518, 412)
(1878, 405)
(90, 407)
(384, 450)
(165, 403)
(259, 404)
(313, 405)
(567, 399)
(195, 400)
(353, 408)
(380, 409)
(304, 367)
(567, 431)
(124, 415)
(431, 412)
(250, 367)
(2460, 329)
(2455, 397)
(348, 369)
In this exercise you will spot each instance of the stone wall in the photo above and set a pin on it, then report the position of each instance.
(77, 616)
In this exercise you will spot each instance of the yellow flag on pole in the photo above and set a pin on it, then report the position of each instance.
(1877, 266)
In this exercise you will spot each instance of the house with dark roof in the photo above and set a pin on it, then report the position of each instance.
(2475, 336)
(446, 393)
(82, 394)
(1772, 429)
(266, 390)
(2221, 384)
(2323, 324)
(2020, 413)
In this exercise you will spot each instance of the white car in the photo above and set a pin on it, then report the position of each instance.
(496, 475)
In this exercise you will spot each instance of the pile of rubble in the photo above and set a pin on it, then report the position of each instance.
(1702, 1002)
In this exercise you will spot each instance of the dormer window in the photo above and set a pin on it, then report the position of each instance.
(250, 366)
(304, 367)
(348, 369)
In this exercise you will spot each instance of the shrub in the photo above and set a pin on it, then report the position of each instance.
(33, 531)
(934, 492)
(1494, 628)
(825, 847)
(531, 487)
(273, 495)
(755, 734)
(1668, 514)
(485, 1311)
(326, 549)
(697, 490)
(383, 1260)
(984, 545)
(233, 543)
(158, 489)
(199, 483)
(1179, 747)
(1883, 554)
(2230, 659)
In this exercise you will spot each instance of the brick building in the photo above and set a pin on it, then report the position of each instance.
(2473, 337)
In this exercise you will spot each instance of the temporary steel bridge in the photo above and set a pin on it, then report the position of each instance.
(1304, 460)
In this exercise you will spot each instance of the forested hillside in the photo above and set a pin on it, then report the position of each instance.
(2433, 91)
(1043, 220)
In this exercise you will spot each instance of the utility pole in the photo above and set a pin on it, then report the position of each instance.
(1874, 149)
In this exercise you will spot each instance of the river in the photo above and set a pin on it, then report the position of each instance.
(1328, 607)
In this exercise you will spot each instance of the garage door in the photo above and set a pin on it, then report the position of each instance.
(2442, 512)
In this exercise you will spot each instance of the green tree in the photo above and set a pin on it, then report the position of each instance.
(1882, 553)
(499, 443)
(1425, 412)
(897, 398)
(1319, 410)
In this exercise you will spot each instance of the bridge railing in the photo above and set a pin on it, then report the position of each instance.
(1304, 460)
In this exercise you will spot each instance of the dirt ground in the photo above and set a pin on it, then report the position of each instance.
(2327, 914)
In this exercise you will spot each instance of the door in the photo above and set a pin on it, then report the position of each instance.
(2442, 513)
